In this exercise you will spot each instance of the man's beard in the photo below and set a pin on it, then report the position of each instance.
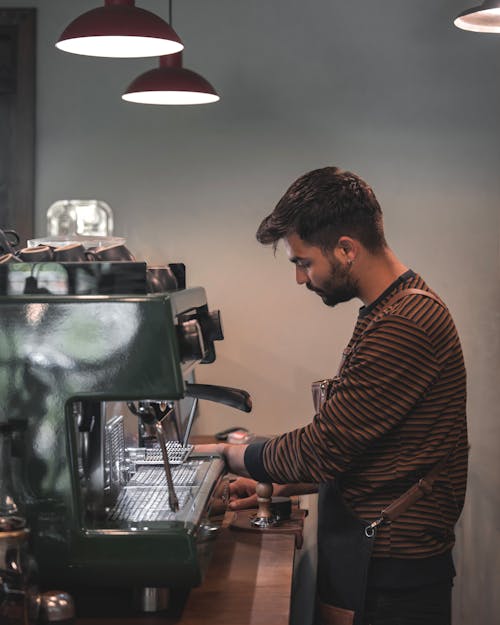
(338, 287)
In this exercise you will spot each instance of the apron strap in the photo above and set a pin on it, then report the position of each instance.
(423, 486)
(392, 300)
(399, 295)
(400, 505)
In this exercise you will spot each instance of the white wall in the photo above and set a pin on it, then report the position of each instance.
(390, 90)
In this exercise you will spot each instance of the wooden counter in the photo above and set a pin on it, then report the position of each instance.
(248, 582)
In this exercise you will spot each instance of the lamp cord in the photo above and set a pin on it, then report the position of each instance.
(170, 12)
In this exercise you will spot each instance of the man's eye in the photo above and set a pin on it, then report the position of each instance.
(303, 264)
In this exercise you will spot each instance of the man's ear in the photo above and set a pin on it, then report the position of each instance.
(348, 248)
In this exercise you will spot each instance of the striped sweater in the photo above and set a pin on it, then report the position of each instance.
(396, 409)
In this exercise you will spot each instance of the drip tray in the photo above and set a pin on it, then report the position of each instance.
(145, 497)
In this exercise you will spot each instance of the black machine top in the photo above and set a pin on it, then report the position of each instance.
(88, 278)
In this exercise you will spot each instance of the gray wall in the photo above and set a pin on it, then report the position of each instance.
(388, 89)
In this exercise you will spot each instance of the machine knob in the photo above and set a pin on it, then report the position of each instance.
(215, 328)
(192, 346)
(211, 324)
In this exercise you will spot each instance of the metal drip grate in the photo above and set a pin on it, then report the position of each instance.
(184, 475)
(145, 503)
(114, 452)
(137, 477)
(177, 454)
(145, 498)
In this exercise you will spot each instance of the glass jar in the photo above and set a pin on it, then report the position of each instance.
(79, 217)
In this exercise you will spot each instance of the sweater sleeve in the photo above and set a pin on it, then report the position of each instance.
(254, 463)
(390, 371)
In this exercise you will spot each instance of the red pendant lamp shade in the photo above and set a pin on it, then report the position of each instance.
(170, 84)
(119, 29)
(481, 19)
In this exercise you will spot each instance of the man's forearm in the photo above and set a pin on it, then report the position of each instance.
(235, 458)
(235, 455)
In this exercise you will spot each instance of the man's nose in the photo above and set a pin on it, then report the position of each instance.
(300, 275)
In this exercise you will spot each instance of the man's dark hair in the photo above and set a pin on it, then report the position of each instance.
(323, 205)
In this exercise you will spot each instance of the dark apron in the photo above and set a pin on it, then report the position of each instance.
(345, 545)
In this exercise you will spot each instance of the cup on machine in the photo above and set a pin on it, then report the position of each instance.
(8, 258)
(37, 254)
(110, 253)
(73, 252)
(9, 241)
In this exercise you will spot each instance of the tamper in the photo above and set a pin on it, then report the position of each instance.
(264, 517)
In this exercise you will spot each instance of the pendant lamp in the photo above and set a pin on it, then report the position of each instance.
(482, 19)
(170, 84)
(119, 29)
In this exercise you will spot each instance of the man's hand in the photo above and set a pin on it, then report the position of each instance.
(242, 494)
(210, 449)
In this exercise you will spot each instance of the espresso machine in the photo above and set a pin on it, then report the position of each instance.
(97, 376)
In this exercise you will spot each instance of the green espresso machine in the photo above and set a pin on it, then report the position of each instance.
(98, 388)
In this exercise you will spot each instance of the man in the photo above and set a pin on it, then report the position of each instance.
(394, 414)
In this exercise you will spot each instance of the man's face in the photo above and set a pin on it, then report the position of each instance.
(328, 275)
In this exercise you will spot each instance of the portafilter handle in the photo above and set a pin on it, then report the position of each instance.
(234, 397)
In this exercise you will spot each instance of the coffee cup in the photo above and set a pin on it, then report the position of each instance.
(73, 252)
(8, 258)
(37, 254)
(111, 253)
(161, 279)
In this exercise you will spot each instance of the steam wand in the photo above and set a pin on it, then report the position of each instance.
(150, 414)
(160, 435)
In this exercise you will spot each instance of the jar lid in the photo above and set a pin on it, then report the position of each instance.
(86, 241)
